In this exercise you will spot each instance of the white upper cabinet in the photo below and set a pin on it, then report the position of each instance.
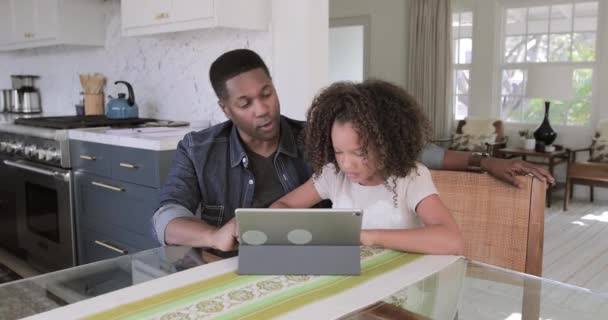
(37, 23)
(144, 17)
(6, 22)
(141, 13)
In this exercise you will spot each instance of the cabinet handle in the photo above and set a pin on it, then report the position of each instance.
(107, 186)
(111, 247)
(162, 15)
(85, 157)
(128, 165)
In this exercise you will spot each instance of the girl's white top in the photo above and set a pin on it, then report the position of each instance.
(378, 202)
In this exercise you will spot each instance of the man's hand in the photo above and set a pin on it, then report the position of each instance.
(507, 169)
(225, 238)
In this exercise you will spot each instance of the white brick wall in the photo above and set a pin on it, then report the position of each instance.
(169, 72)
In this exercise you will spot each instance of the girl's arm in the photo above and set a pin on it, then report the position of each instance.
(304, 196)
(440, 234)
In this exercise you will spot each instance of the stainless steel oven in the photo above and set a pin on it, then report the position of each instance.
(45, 214)
(34, 156)
(8, 209)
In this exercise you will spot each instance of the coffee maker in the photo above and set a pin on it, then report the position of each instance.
(25, 97)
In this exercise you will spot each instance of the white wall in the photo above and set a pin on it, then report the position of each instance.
(169, 72)
(300, 52)
(388, 34)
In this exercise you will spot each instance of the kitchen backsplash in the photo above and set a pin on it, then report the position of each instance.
(169, 72)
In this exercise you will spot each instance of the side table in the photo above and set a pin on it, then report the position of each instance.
(552, 159)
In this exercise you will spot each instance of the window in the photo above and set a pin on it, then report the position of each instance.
(563, 33)
(462, 32)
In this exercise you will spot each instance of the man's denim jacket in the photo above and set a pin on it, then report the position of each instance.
(210, 169)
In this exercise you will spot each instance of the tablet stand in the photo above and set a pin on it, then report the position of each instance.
(299, 259)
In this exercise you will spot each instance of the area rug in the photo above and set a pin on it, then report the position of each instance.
(7, 275)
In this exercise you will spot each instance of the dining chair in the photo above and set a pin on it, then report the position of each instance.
(501, 225)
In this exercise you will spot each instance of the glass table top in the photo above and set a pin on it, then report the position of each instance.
(467, 289)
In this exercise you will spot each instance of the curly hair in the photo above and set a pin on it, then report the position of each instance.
(387, 119)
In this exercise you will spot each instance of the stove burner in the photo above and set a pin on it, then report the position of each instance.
(71, 122)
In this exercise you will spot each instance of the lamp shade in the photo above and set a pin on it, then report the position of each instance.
(550, 82)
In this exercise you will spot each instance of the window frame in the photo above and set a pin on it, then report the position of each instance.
(456, 67)
(503, 65)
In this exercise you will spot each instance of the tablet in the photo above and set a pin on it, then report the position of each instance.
(299, 241)
(299, 226)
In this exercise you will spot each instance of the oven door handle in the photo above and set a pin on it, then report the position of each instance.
(31, 168)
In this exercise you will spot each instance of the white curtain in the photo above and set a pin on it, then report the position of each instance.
(429, 61)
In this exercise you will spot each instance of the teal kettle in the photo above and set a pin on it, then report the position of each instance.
(121, 107)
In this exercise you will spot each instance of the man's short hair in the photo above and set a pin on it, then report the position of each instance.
(231, 64)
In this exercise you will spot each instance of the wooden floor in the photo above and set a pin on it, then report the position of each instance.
(575, 253)
(576, 244)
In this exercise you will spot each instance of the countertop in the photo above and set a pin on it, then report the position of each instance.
(9, 118)
(150, 138)
(7, 125)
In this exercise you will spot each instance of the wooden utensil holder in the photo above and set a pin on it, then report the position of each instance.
(93, 104)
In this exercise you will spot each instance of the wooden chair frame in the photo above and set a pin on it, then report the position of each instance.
(592, 174)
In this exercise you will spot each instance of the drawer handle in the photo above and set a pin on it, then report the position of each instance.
(162, 15)
(85, 157)
(107, 186)
(128, 165)
(111, 247)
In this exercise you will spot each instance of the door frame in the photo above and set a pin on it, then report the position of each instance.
(365, 21)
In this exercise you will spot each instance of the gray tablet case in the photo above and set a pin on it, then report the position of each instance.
(299, 241)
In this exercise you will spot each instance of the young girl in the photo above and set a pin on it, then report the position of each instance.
(363, 141)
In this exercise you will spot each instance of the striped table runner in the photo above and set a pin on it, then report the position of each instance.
(215, 291)
(230, 296)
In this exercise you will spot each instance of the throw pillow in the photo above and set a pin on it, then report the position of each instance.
(478, 126)
(599, 150)
(602, 129)
(470, 142)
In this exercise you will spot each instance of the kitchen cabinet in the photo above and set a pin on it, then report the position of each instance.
(145, 17)
(6, 22)
(38, 23)
(116, 193)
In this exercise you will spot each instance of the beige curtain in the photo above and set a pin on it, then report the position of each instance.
(429, 61)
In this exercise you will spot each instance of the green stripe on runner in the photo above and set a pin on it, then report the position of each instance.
(183, 298)
(298, 297)
(175, 296)
(179, 297)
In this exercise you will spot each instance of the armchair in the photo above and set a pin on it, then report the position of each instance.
(482, 135)
(592, 172)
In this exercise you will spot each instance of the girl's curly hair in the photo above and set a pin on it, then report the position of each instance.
(388, 120)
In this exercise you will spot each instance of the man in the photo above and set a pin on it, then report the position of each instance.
(256, 157)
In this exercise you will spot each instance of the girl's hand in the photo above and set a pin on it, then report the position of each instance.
(367, 238)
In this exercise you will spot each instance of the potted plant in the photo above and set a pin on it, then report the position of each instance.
(527, 138)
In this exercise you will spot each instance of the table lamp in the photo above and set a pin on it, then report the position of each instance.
(548, 82)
